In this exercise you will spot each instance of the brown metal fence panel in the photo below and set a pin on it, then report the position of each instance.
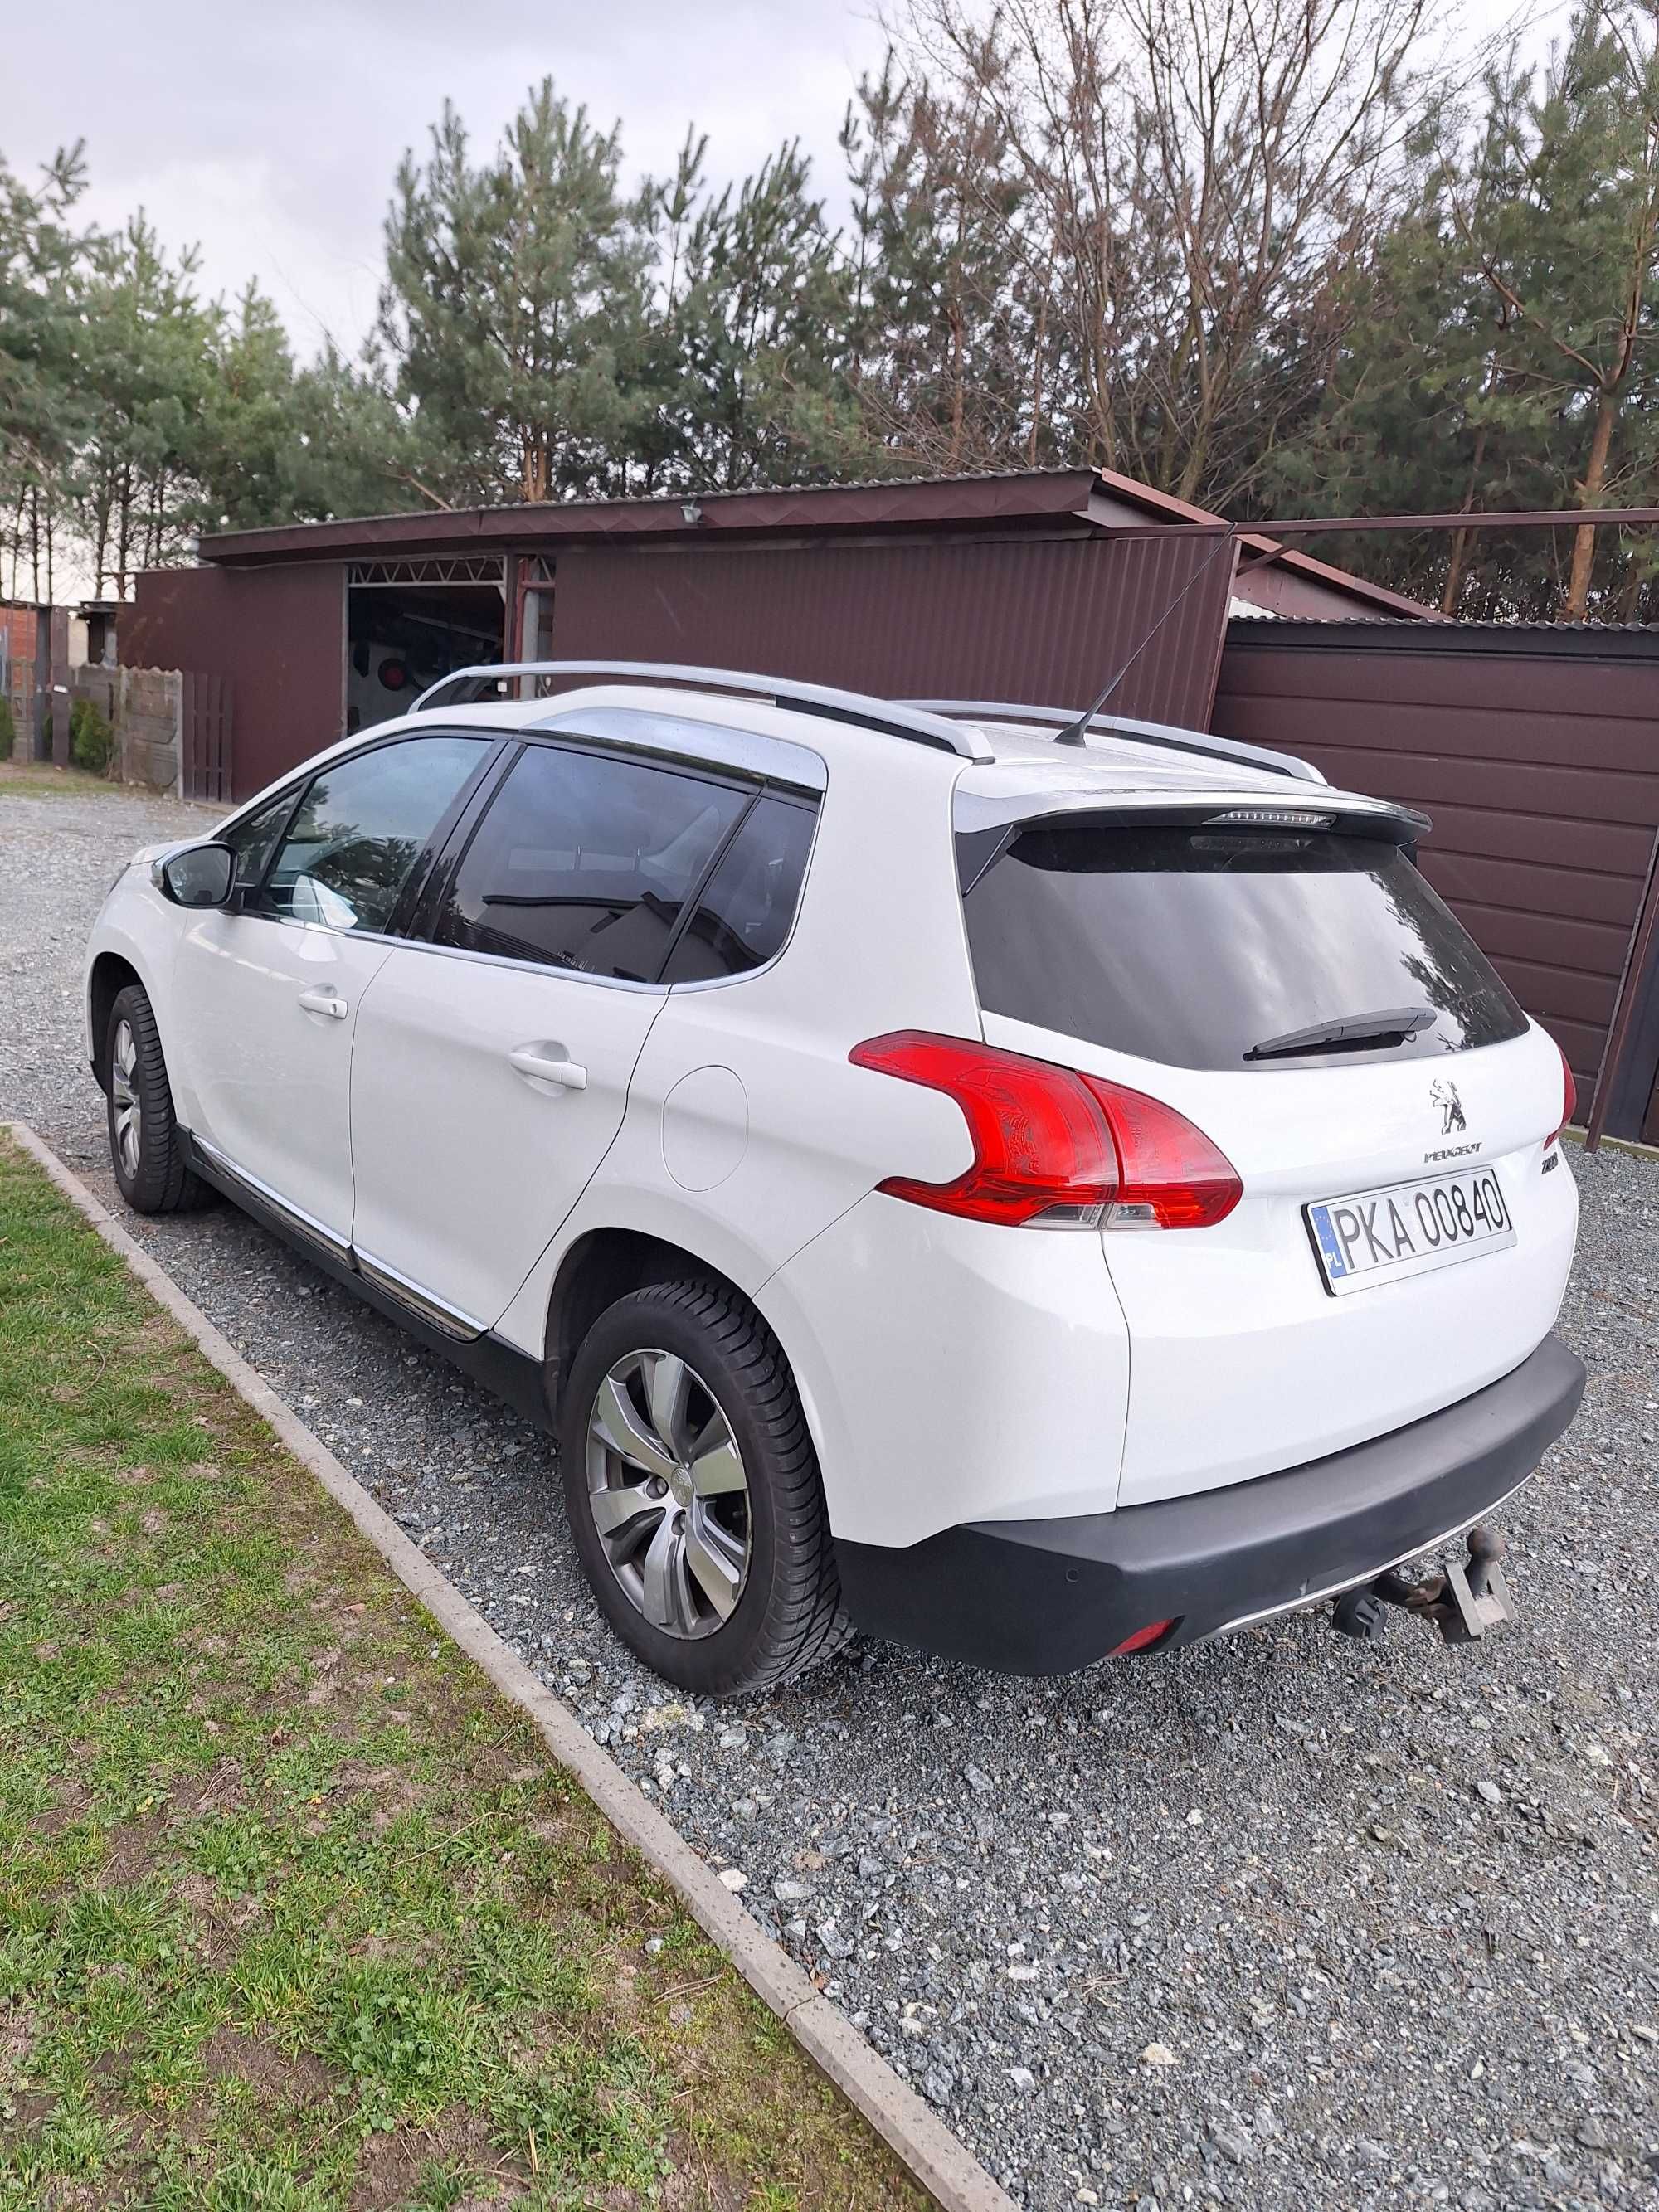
(1042, 622)
(208, 774)
(1536, 752)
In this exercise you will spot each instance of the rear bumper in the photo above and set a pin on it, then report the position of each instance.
(1045, 1597)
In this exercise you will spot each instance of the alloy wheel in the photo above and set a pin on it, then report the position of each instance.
(668, 1493)
(126, 1108)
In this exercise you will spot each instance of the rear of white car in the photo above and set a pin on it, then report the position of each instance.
(1332, 1212)
(1092, 1196)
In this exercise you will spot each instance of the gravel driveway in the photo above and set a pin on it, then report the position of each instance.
(1282, 1922)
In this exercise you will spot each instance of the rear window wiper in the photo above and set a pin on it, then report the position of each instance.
(1352, 1033)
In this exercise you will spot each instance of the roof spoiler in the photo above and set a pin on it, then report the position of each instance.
(917, 726)
(1163, 734)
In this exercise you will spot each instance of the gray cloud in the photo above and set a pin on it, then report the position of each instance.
(269, 136)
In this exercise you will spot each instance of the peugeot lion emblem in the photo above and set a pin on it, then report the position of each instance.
(1443, 1095)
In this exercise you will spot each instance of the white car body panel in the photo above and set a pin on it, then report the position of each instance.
(263, 1074)
(954, 1370)
(496, 1154)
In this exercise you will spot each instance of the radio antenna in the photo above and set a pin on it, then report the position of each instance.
(1077, 732)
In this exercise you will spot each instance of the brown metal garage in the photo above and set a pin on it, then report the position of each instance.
(1019, 585)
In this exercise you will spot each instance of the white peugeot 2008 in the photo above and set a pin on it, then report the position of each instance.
(1028, 1193)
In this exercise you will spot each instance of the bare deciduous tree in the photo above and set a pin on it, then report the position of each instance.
(1195, 173)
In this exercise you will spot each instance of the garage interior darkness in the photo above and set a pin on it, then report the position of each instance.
(410, 623)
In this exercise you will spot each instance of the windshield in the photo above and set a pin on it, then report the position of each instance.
(1196, 947)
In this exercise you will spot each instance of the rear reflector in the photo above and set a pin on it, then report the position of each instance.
(1055, 1148)
(1570, 1100)
(1141, 1638)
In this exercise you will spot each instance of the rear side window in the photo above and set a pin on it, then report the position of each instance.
(585, 860)
(743, 916)
(1198, 947)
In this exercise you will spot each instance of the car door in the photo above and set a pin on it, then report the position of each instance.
(493, 1061)
(265, 993)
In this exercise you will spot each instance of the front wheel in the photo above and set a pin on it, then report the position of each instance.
(144, 1134)
(694, 1494)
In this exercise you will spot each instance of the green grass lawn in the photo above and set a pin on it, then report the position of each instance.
(295, 1911)
(21, 779)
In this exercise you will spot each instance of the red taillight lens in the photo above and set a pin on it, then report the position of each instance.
(1169, 1174)
(1055, 1148)
(1570, 1100)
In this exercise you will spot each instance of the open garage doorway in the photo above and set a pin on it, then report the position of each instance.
(410, 623)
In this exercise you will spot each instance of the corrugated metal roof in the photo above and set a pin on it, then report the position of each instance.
(1453, 623)
(1364, 632)
(1005, 497)
(1083, 500)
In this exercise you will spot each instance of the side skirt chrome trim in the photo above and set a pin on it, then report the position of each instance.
(450, 1319)
(305, 1225)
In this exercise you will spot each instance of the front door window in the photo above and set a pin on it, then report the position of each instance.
(360, 828)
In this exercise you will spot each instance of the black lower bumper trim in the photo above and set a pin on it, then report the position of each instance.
(1045, 1597)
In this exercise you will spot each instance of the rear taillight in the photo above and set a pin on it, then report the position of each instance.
(1054, 1148)
(1570, 1099)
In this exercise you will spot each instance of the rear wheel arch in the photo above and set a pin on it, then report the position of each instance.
(602, 1266)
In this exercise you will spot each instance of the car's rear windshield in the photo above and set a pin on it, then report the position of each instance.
(1198, 947)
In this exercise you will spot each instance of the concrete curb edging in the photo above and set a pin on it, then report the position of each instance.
(936, 2159)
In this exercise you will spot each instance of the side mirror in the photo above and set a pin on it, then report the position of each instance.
(202, 875)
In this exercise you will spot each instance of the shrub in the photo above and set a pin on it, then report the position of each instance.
(8, 730)
(92, 741)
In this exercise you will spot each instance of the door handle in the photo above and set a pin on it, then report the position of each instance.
(528, 1061)
(324, 1002)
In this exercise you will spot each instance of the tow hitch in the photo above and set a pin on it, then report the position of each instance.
(1464, 1600)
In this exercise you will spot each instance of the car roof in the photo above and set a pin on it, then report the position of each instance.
(1004, 769)
(1127, 755)
(1022, 766)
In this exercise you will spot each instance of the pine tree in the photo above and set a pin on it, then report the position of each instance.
(514, 305)
(948, 349)
(752, 333)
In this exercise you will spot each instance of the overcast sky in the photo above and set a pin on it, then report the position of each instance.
(269, 136)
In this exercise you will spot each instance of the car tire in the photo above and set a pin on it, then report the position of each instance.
(143, 1131)
(665, 1569)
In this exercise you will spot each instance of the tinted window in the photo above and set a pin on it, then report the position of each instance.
(584, 860)
(254, 839)
(743, 916)
(360, 828)
(1192, 946)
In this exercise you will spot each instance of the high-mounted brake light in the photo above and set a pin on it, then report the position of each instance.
(1270, 817)
(1055, 1148)
(1570, 1099)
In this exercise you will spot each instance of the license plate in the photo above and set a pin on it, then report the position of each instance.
(1379, 1236)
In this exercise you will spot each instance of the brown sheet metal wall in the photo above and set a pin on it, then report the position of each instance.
(1038, 621)
(276, 636)
(1535, 752)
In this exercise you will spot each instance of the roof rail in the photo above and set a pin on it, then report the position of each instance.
(1144, 733)
(894, 720)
